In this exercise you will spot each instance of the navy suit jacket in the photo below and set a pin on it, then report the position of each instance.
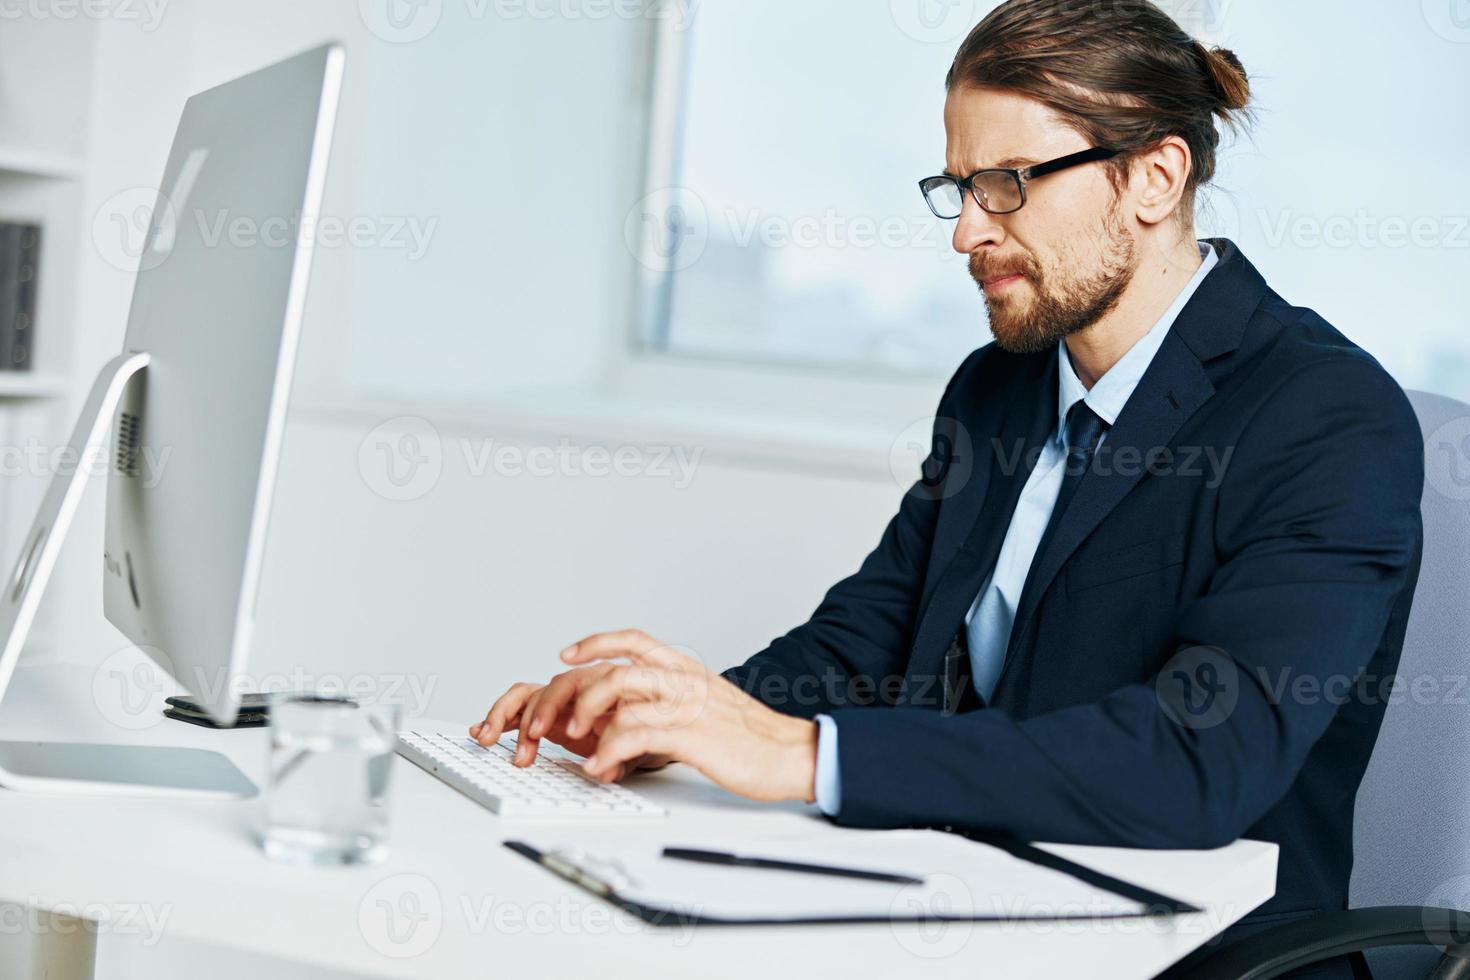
(1201, 650)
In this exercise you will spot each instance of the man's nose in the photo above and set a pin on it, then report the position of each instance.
(976, 227)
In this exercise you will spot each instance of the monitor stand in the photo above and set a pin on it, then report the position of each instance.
(77, 767)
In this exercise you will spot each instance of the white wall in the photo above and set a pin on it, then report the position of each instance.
(479, 581)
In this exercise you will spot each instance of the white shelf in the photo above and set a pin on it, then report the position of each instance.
(22, 384)
(31, 163)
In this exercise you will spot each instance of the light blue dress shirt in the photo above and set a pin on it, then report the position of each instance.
(989, 621)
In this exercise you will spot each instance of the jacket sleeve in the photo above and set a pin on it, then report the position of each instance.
(1318, 532)
(854, 649)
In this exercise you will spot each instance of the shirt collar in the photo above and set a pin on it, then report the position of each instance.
(1113, 389)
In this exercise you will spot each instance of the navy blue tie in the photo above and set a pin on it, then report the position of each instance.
(1084, 430)
(1081, 435)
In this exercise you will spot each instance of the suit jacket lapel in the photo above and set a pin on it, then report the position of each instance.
(1173, 388)
(980, 514)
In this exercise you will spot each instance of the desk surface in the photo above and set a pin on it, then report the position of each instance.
(451, 902)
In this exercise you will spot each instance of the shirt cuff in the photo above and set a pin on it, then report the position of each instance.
(828, 782)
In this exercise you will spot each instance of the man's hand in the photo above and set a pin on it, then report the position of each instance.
(667, 704)
(538, 711)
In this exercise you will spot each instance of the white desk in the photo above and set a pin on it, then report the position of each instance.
(451, 902)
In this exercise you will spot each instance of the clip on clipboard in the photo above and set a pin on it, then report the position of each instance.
(975, 880)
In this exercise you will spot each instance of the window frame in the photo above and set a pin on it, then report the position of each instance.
(641, 368)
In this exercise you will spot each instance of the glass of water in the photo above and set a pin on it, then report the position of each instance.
(327, 798)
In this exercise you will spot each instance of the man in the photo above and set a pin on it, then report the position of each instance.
(1136, 611)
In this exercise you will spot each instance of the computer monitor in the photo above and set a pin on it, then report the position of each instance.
(197, 402)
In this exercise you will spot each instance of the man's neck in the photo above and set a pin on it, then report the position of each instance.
(1156, 284)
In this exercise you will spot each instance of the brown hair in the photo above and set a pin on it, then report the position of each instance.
(1120, 72)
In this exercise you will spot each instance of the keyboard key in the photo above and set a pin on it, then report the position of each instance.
(550, 786)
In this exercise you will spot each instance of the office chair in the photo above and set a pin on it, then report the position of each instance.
(1410, 886)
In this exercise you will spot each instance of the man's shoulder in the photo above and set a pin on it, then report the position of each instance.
(1293, 352)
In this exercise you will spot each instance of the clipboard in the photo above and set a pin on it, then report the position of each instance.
(843, 902)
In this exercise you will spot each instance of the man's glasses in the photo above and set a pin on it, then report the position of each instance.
(1000, 190)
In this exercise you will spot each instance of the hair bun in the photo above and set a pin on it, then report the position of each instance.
(1232, 85)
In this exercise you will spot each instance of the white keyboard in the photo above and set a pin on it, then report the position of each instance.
(548, 787)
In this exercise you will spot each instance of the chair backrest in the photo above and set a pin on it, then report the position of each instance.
(1411, 823)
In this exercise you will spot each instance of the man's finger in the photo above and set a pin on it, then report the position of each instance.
(526, 743)
(505, 710)
(625, 740)
(617, 686)
(635, 645)
(558, 693)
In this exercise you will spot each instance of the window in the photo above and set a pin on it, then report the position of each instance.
(784, 224)
(783, 221)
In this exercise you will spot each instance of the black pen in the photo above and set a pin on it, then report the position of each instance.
(740, 861)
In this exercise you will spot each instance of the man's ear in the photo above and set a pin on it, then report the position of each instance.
(1159, 178)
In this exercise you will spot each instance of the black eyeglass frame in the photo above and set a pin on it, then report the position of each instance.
(1021, 175)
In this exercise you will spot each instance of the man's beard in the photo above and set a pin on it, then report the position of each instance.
(1054, 313)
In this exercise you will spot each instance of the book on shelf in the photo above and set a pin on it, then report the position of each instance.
(20, 251)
